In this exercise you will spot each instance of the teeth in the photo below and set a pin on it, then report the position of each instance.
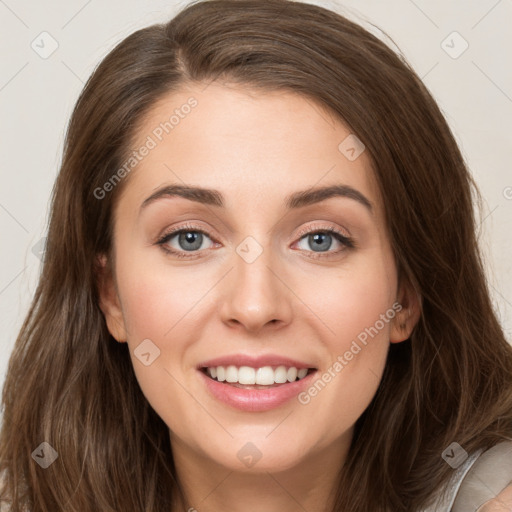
(221, 373)
(265, 376)
(231, 374)
(291, 374)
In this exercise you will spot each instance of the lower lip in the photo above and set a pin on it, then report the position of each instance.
(256, 400)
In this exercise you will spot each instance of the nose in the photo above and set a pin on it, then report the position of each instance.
(256, 295)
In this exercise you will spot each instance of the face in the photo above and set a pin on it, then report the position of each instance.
(259, 274)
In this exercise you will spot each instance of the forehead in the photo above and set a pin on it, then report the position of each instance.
(247, 143)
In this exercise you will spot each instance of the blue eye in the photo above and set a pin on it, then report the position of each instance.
(322, 239)
(190, 239)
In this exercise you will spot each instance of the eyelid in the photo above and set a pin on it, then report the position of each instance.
(183, 227)
(328, 228)
(300, 234)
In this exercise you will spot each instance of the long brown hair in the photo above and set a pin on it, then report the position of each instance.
(71, 385)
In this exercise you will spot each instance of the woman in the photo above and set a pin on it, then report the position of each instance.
(262, 288)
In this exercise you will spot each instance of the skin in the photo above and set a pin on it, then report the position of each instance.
(256, 148)
(502, 502)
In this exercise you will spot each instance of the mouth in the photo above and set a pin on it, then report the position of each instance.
(265, 377)
(251, 389)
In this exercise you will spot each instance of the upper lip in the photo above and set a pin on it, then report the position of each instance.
(254, 361)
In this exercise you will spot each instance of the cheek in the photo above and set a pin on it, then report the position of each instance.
(357, 307)
(147, 310)
(155, 299)
(358, 351)
(158, 308)
(166, 306)
(354, 301)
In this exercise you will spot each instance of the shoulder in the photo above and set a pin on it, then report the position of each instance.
(487, 486)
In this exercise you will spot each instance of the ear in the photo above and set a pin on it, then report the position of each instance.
(109, 301)
(407, 317)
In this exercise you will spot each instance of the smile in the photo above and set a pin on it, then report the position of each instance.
(256, 378)
(251, 389)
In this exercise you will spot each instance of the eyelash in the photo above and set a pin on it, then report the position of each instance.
(338, 235)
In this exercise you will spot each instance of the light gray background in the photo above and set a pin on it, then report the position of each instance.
(37, 94)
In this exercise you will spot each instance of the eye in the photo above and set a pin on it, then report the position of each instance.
(321, 239)
(190, 239)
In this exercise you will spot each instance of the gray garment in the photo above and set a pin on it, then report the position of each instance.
(480, 478)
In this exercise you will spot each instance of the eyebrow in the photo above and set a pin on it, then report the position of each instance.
(296, 200)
